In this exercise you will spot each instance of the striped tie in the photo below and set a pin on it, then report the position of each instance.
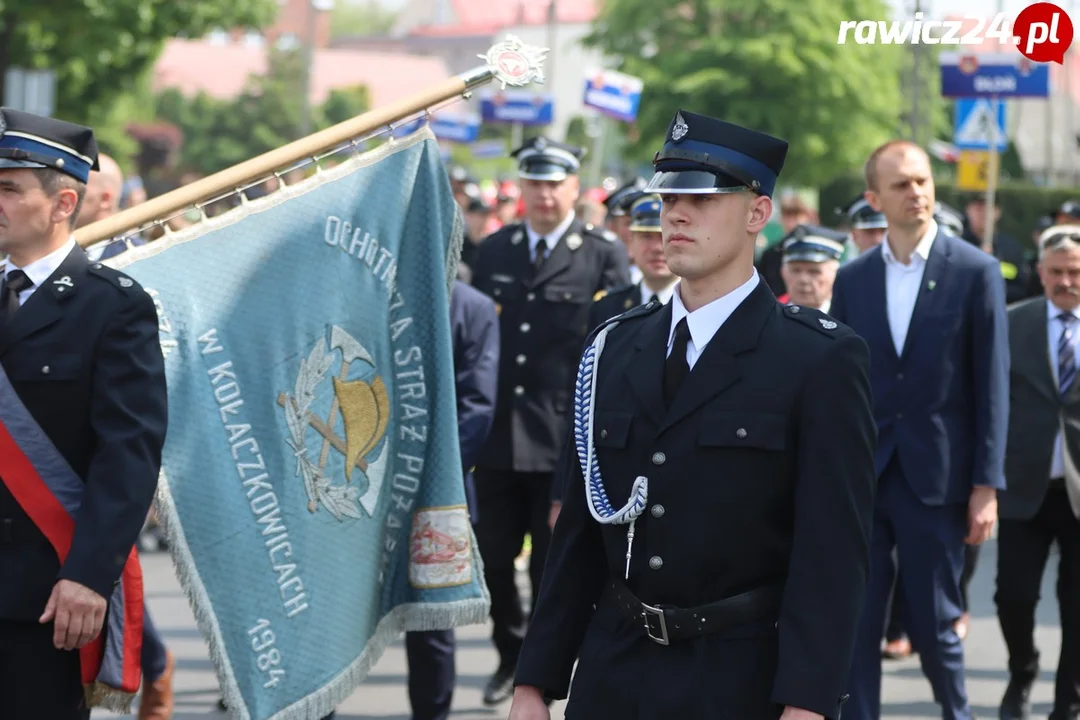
(1066, 353)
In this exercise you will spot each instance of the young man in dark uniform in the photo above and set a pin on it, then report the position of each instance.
(728, 586)
(79, 347)
(543, 275)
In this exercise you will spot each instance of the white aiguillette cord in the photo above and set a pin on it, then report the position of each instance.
(595, 495)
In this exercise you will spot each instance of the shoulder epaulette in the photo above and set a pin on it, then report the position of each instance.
(114, 277)
(633, 313)
(816, 319)
(602, 233)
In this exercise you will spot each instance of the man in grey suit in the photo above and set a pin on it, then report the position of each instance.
(1042, 502)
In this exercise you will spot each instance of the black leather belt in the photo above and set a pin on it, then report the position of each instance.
(664, 624)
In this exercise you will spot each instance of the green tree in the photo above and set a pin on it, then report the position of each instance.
(773, 65)
(100, 48)
(361, 17)
(266, 115)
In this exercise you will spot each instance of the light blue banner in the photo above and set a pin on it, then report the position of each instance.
(312, 476)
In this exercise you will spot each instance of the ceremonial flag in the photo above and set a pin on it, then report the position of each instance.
(312, 483)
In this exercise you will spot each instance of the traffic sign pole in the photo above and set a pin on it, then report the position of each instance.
(991, 180)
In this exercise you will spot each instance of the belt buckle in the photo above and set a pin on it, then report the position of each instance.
(648, 610)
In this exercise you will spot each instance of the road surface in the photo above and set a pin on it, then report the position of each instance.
(906, 694)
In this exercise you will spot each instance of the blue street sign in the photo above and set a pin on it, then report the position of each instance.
(989, 74)
(488, 149)
(975, 120)
(522, 107)
(614, 94)
(456, 128)
(448, 127)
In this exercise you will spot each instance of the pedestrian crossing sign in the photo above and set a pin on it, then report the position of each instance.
(976, 120)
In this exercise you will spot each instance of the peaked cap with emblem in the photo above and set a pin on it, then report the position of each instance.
(645, 214)
(862, 216)
(813, 243)
(34, 141)
(543, 159)
(704, 155)
(618, 203)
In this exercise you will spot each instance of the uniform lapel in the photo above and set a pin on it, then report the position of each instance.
(929, 298)
(718, 367)
(45, 305)
(645, 371)
(520, 265)
(561, 256)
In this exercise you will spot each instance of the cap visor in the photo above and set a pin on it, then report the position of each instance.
(808, 257)
(871, 225)
(6, 164)
(645, 228)
(544, 171)
(693, 182)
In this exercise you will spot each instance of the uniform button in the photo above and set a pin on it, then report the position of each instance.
(530, 297)
(45, 369)
(525, 327)
(740, 433)
(899, 416)
(899, 376)
(567, 296)
(498, 291)
(519, 391)
(603, 434)
(794, 309)
(656, 562)
(520, 359)
(658, 511)
(659, 458)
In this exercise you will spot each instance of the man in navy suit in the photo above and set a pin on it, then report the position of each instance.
(932, 309)
(474, 328)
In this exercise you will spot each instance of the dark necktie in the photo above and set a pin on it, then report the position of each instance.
(677, 368)
(1066, 355)
(14, 283)
(541, 255)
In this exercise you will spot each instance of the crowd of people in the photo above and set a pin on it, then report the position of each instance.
(746, 475)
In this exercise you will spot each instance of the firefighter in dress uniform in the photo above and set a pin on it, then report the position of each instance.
(543, 275)
(712, 551)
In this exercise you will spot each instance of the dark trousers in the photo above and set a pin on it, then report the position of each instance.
(38, 681)
(431, 673)
(928, 542)
(1023, 547)
(511, 505)
(154, 656)
(895, 628)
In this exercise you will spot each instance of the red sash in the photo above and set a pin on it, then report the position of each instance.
(34, 471)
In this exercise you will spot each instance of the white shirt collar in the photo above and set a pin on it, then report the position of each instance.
(706, 320)
(552, 237)
(664, 295)
(1052, 311)
(922, 250)
(42, 269)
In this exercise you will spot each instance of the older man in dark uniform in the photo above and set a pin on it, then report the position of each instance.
(543, 275)
(83, 415)
(809, 264)
(728, 585)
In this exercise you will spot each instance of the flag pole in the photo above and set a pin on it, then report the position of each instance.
(510, 62)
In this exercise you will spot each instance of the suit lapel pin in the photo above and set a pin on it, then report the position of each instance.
(931, 285)
(517, 237)
(573, 242)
